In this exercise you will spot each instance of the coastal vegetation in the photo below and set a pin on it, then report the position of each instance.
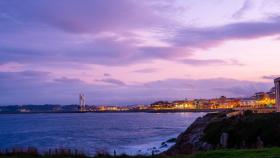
(250, 130)
(216, 131)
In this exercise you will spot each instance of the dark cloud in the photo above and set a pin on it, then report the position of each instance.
(103, 51)
(85, 16)
(211, 36)
(170, 52)
(113, 81)
(23, 75)
(68, 80)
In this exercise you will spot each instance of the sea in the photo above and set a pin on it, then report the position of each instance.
(129, 133)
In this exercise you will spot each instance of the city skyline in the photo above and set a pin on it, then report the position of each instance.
(134, 52)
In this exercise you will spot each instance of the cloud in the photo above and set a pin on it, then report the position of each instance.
(66, 33)
(33, 46)
(146, 70)
(92, 31)
(277, 38)
(42, 88)
(81, 17)
(68, 80)
(270, 77)
(23, 75)
(212, 36)
(166, 52)
(112, 81)
(245, 7)
(207, 62)
(106, 74)
(204, 88)
(98, 32)
(103, 51)
(38, 87)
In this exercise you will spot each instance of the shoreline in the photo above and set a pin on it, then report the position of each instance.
(190, 141)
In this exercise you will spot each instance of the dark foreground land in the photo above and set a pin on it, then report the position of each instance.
(230, 153)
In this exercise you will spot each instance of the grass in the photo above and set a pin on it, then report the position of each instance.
(31, 152)
(230, 153)
(240, 153)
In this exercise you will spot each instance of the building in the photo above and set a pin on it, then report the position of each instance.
(183, 104)
(224, 103)
(260, 95)
(82, 106)
(247, 103)
(277, 94)
(201, 104)
(272, 93)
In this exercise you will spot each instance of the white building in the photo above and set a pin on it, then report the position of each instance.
(277, 88)
(82, 102)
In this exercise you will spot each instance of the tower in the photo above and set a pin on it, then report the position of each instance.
(277, 94)
(82, 106)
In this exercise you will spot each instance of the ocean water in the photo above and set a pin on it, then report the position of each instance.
(130, 133)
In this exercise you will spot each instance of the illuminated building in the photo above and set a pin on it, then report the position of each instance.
(248, 103)
(201, 104)
(224, 103)
(184, 104)
(277, 88)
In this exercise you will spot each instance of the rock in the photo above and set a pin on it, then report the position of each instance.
(163, 145)
(224, 140)
(172, 140)
(206, 146)
(243, 144)
(259, 143)
(190, 141)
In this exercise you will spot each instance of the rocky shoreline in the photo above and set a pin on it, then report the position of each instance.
(191, 141)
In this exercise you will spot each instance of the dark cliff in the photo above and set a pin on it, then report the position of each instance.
(191, 141)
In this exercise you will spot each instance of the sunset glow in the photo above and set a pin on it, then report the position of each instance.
(136, 51)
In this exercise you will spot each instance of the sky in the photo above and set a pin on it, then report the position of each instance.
(125, 52)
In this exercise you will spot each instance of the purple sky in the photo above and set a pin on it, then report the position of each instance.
(136, 51)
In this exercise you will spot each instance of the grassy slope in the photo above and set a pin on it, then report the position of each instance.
(253, 153)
